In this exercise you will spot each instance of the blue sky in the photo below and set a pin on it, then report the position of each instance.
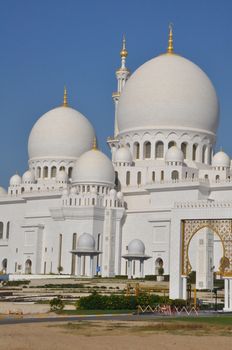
(48, 43)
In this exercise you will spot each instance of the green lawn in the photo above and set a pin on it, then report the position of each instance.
(213, 320)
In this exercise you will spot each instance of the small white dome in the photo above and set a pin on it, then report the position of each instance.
(93, 190)
(123, 155)
(93, 167)
(113, 193)
(73, 190)
(62, 176)
(2, 191)
(28, 177)
(120, 196)
(221, 159)
(136, 247)
(63, 132)
(86, 242)
(15, 180)
(65, 192)
(174, 154)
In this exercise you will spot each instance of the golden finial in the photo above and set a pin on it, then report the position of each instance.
(124, 52)
(65, 101)
(94, 143)
(170, 48)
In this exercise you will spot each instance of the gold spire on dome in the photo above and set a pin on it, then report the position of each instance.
(170, 48)
(65, 101)
(94, 143)
(124, 52)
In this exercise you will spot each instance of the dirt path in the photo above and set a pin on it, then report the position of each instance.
(101, 336)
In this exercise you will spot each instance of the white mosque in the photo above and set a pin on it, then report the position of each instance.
(163, 204)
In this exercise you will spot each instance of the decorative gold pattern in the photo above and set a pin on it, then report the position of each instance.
(170, 48)
(221, 227)
(65, 101)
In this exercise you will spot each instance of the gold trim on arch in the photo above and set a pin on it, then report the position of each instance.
(226, 242)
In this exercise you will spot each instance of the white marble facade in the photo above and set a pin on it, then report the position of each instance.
(163, 159)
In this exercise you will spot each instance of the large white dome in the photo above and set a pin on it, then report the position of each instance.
(94, 167)
(62, 132)
(168, 92)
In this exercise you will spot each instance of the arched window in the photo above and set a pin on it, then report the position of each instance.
(147, 150)
(194, 152)
(1, 230)
(175, 175)
(53, 172)
(153, 176)
(210, 155)
(159, 149)
(204, 154)
(162, 175)
(206, 176)
(39, 171)
(171, 144)
(139, 178)
(70, 172)
(62, 168)
(136, 150)
(217, 177)
(45, 172)
(127, 178)
(184, 149)
(22, 189)
(8, 230)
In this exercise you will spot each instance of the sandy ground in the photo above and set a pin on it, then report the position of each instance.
(83, 337)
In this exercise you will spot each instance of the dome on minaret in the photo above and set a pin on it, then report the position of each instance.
(168, 92)
(63, 132)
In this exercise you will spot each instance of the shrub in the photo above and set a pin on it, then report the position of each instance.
(16, 283)
(96, 301)
(150, 277)
(56, 304)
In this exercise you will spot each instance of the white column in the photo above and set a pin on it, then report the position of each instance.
(226, 294)
(230, 294)
(91, 266)
(184, 287)
(78, 265)
(141, 268)
(129, 268)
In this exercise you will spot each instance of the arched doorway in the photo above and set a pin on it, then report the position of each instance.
(28, 265)
(158, 264)
(4, 265)
(205, 251)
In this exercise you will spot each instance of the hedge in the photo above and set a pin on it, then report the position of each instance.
(96, 301)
